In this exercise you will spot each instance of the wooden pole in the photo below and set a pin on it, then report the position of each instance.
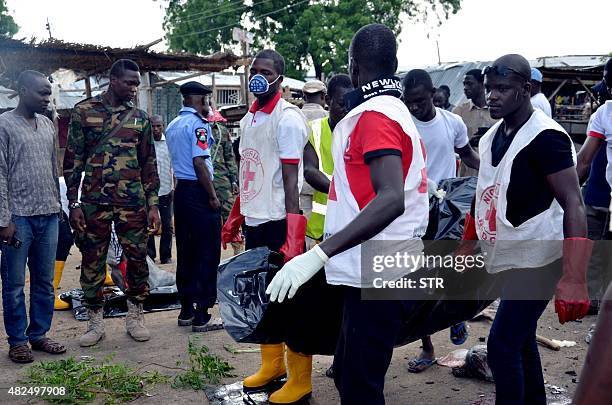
(87, 87)
(149, 93)
(554, 93)
(586, 88)
(213, 96)
(245, 50)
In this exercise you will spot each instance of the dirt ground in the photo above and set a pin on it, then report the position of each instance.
(169, 343)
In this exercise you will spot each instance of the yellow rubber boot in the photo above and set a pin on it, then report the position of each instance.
(272, 368)
(299, 384)
(59, 305)
(108, 280)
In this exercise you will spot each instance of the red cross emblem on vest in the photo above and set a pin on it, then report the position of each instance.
(251, 174)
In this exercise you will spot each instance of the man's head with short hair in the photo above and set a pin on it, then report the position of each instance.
(34, 91)
(473, 84)
(418, 93)
(445, 89)
(124, 79)
(271, 65)
(157, 126)
(276, 58)
(440, 99)
(607, 74)
(337, 87)
(372, 54)
(508, 85)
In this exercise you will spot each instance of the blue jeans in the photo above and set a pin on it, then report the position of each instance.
(38, 235)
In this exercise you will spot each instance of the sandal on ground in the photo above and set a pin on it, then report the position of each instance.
(459, 333)
(48, 346)
(417, 365)
(21, 354)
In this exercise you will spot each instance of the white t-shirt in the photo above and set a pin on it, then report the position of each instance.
(292, 136)
(600, 126)
(540, 101)
(441, 136)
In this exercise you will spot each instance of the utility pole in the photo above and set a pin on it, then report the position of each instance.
(49, 28)
(245, 38)
(438, 48)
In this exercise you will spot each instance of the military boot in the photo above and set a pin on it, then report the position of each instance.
(134, 322)
(95, 328)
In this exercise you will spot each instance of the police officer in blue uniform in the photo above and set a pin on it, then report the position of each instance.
(197, 217)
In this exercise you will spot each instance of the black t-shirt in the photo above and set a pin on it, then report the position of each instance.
(528, 192)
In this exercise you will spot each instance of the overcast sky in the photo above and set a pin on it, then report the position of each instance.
(481, 30)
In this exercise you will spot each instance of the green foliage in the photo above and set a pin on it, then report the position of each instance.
(85, 381)
(204, 368)
(192, 25)
(8, 27)
(307, 33)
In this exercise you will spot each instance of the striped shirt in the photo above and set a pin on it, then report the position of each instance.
(28, 168)
(164, 167)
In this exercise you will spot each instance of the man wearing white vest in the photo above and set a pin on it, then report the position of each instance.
(273, 135)
(530, 219)
(443, 134)
(378, 192)
(318, 160)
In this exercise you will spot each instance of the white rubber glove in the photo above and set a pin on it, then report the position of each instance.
(296, 272)
(432, 190)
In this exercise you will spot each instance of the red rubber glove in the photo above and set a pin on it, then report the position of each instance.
(572, 296)
(231, 228)
(469, 228)
(296, 236)
(468, 239)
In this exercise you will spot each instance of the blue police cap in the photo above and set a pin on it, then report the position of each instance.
(194, 88)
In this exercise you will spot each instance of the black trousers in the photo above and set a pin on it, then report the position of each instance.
(599, 274)
(65, 239)
(512, 351)
(198, 244)
(165, 242)
(365, 346)
(271, 234)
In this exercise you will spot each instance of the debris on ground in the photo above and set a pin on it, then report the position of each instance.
(454, 359)
(476, 365)
(232, 394)
(235, 350)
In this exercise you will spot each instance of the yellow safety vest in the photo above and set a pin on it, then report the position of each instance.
(321, 139)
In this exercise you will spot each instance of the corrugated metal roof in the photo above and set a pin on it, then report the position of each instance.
(5, 101)
(452, 76)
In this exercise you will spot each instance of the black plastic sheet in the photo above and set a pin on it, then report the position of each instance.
(115, 302)
(310, 322)
(446, 218)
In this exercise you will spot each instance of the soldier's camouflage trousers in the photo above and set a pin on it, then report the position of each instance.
(223, 189)
(131, 230)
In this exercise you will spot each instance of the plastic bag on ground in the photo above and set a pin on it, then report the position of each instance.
(476, 365)
(454, 359)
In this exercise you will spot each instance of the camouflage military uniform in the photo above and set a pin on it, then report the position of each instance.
(226, 172)
(120, 183)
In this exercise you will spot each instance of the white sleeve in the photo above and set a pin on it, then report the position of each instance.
(292, 135)
(461, 137)
(596, 126)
